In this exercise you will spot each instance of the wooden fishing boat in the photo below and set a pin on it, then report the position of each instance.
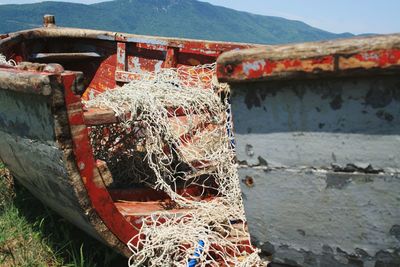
(317, 130)
(44, 137)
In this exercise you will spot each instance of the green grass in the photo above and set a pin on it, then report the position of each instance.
(32, 235)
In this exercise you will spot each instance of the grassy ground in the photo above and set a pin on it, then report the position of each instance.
(32, 235)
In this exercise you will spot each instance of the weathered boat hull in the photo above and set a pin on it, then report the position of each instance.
(44, 130)
(36, 147)
(317, 130)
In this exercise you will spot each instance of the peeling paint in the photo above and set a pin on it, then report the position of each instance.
(302, 217)
(146, 41)
(253, 66)
(325, 164)
(336, 103)
(135, 63)
(157, 67)
(395, 231)
(384, 115)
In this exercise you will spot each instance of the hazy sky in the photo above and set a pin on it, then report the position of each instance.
(356, 16)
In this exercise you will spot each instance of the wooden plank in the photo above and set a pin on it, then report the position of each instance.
(104, 172)
(65, 56)
(97, 116)
(171, 59)
(149, 194)
(121, 56)
(183, 127)
(26, 81)
(379, 54)
(103, 79)
(139, 209)
(125, 76)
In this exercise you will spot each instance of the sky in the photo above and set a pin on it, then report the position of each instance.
(355, 16)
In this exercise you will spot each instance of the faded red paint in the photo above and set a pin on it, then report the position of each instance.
(211, 48)
(265, 68)
(190, 59)
(171, 59)
(75, 119)
(98, 194)
(152, 47)
(132, 57)
(382, 58)
(261, 68)
(288, 63)
(117, 67)
(138, 63)
(326, 60)
(121, 56)
(104, 78)
(123, 76)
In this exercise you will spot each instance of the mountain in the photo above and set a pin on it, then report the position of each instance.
(174, 18)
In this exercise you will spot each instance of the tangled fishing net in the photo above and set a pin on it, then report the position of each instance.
(173, 137)
(4, 61)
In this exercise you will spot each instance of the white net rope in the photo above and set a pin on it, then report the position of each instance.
(176, 119)
(4, 61)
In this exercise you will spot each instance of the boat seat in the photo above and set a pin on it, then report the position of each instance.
(41, 67)
(65, 56)
(140, 209)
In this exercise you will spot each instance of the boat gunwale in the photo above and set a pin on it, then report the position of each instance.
(342, 57)
(172, 42)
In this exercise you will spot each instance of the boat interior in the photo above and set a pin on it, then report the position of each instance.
(104, 61)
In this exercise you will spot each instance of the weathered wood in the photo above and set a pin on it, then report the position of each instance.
(138, 209)
(182, 128)
(171, 59)
(319, 158)
(150, 194)
(315, 218)
(42, 162)
(121, 56)
(25, 81)
(65, 56)
(141, 53)
(49, 21)
(126, 76)
(145, 41)
(339, 57)
(96, 189)
(104, 172)
(40, 67)
(47, 127)
(98, 116)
